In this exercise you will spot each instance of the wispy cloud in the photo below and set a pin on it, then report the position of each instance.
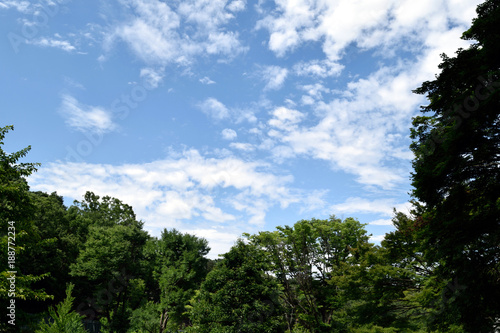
(151, 76)
(229, 134)
(381, 222)
(218, 111)
(318, 68)
(21, 6)
(338, 24)
(206, 80)
(236, 5)
(383, 207)
(243, 146)
(73, 83)
(161, 33)
(285, 119)
(361, 130)
(85, 118)
(52, 42)
(274, 76)
(213, 108)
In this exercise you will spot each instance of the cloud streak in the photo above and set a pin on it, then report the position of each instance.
(86, 118)
(55, 43)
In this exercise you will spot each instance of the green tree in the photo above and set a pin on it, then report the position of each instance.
(146, 318)
(457, 174)
(385, 286)
(178, 266)
(110, 256)
(238, 295)
(15, 203)
(55, 245)
(304, 259)
(62, 318)
(17, 231)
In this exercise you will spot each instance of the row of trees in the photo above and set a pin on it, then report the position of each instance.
(438, 271)
(315, 276)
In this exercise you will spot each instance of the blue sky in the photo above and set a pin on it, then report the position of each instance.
(224, 117)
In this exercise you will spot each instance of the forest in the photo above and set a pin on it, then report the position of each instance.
(91, 267)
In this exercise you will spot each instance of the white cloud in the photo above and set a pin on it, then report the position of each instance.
(152, 77)
(229, 134)
(214, 108)
(360, 205)
(55, 43)
(362, 131)
(21, 6)
(274, 76)
(307, 100)
(285, 119)
(242, 146)
(151, 43)
(318, 68)
(377, 238)
(73, 83)
(220, 240)
(384, 207)
(161, 34)
(236, 5)
(362, 127)
(286, 28)
(315, 91)
(381, 222)
(206, 80)
(223, 43)
(338, 24)
(85, 118)
(186, 191)
(219, 111)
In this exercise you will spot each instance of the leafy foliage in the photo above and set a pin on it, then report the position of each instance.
(111, 253)
(179, 267)
(237, 295)
(305, 258)
(62, 318)
(16, 212)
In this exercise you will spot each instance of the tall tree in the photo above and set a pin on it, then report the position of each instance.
(457, 171)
